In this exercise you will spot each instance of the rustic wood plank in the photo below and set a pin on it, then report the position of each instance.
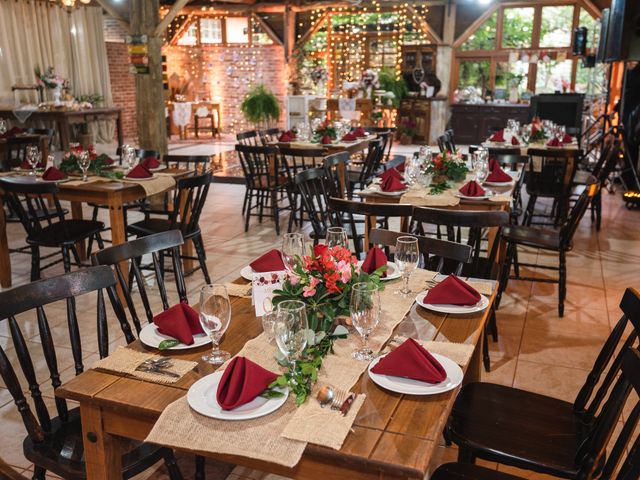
(102, 451)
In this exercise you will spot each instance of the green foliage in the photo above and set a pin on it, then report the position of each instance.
(398, 87)
(260, 105)
(97, 166)
(170, 342)
(484, 38)
(93, 98)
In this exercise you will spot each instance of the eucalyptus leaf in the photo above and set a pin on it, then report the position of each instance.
(171, 342)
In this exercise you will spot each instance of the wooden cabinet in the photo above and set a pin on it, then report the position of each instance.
(474, 123)
(416, 110)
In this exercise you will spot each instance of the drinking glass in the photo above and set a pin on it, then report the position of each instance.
(406, 257)
(365, 314)
(31, 153)
(215, 315)
(3, 126)
(336, 237)
(292, 247)
(83, 162)
(560, 131)
(290, 329)
(481, 169)
(130, 157)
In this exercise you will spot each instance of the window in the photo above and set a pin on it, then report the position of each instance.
(190, 36)
(484, 38)
(210, 30)
(474, 73)
(382, 53)
(553, 76)
(512, 74)
(237, 30)
(517, 27)
(555, 30)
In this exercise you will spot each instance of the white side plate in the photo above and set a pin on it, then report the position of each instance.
(151, 337)
(393, 271)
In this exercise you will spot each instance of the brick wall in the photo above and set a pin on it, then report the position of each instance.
(123, 88)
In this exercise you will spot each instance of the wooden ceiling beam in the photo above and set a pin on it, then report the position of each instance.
(475, 25)
(314, 28)
(107, 7)
(267, 28)
(424, 26)
(170, 16)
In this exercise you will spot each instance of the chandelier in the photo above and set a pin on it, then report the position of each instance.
(69, 4)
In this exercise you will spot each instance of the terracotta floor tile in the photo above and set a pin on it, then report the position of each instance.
(552, 380)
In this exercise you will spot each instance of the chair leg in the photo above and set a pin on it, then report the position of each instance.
(504, 274)
(39, 473)
(66, 259)
(200, 466)
(275, 210)
(35, 263)
(197, 242)
(172, 467)
(466, 456)
(486, 360)
(76, 257)
(493, 324)
(562, 283)
(248, 213)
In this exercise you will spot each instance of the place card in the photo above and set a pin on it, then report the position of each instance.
(263, 285)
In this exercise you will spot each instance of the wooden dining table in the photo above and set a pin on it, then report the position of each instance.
(393, 436)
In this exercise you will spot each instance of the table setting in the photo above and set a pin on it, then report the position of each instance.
(539, 134)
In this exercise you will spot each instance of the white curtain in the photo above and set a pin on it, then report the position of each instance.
(37, 33)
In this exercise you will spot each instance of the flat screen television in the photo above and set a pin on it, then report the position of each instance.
(562, 108)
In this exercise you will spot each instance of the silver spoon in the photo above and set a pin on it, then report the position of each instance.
(325, 396)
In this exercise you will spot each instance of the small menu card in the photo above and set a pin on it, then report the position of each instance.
(262, 292)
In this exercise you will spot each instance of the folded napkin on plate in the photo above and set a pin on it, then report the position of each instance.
(497, 137)
(515, 141)
(52, 173)
(241, 382)
(24, 165)
(349, 137)
(498, 175)
(359, 132)
(392, 184)
(139, 171)
(493, 163)
(567, 138)
(411, 360)
(269, 262)
(472, 189)
(374, 260)
(180, 322)
(392, 172)
(400, 167)
(326, 140)
(452, 291)
(150, 162)
(554, 142)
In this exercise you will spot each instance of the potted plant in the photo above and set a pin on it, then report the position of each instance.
(396, 86)
(260, 106)
(407, 131)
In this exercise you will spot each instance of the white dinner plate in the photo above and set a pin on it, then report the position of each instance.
(393, 271)
(40, 179)
(464, 197)
(247, 272)
(409, 386)
(398, 193)
(151, 337)
(498, 184)
(456, 309)
(202, 398)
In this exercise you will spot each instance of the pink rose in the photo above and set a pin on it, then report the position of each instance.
(294, 279)
(310, 290)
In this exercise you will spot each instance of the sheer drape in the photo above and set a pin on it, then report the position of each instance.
(37, 33)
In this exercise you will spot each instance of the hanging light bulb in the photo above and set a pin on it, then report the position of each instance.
(86, 2)
(68, 3)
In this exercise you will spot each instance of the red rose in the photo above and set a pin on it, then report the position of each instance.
(319, 250)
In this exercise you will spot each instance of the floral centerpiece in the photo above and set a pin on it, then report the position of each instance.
(50, 79)
(445, 168)
(325, 129)
(97, 166)
(538, 133)
(369, 81)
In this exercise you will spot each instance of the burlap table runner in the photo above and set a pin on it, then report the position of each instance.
(501, 198)
(419, 196)
(158, 184)
(237, 290)
(90, 179)
(125, 360)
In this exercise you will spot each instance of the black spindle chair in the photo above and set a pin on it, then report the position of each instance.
(315, 189)
(360, 178)
(270, 135)
(450, 142)
(54, 440)
(45, 132)
(15, 150)
(184, 215)
(26, 198)
(544, 434)
(249, 138)
(335, 166)
(387, 134)
(199, 163)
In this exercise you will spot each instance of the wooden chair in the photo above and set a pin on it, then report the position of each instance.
(335, 166)
(540, 433)
(199, 163)
(560, 241)
(315, 189)
(191, 195)
(360, 178)
(16, 151)
(54, 440)
(510, 159)
(266, 178)
(388, 134)
(27, 198)
(45, 132)
(630, 468)
(429, 248)
(249, 138)
(206, 111)
(141, 153)
(270, 135)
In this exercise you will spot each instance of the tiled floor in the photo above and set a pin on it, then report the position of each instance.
(536, 350)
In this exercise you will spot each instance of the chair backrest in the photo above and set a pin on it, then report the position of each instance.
(372, 161)
(16, 150)
(335, 166)
(28, 199)
(299, 159)
(314, 186)
(36, 296)
(249, 137)
(430, 249)
(200, 163)
(259, 165)
(474, 223)
(550, 172)
(610, 155)
(188, 202)
(442, 142)
(269, 135)
(140, 153)
(132, 253)
(388, 133)
(48, 132)
(569, 227)
(450, 143)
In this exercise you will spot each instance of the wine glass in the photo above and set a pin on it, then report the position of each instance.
(215, 315)
(3, 126)
(406, 257)
(83, 162)
(336, 237)
(290, 329)
(365, 314)
(292, 247)
(481, 169)
(31, 153)
(130, 157)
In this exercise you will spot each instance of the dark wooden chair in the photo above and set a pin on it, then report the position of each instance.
(560, 241)
(315, 189)
(199, 163)
(191, 195)
(15, 151)
(442, 142)
(270, 135)
(388, 133)
(266, 179)
(140, 153)
(27, 198)
(359, 178)
(45, 132)
(540, 433)
(335, 166)
(510, 159)
(446, 142)
(429, 248)
(249, 138)
(54, 440)
(630, 468)
(353, 216)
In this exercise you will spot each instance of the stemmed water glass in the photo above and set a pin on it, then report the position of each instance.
(3, 126)
(365, 314)
(32, 153)
(481, 168)
(406, 257)
(83, 162)
(292, 247)
(290, 329)
(336, 237)
(215, 315)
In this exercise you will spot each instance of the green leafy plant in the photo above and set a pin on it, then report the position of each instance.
(390, 83)
(97, 166)
(445, 168)
(260, 105)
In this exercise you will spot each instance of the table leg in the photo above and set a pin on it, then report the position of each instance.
(187, 246)
(76, 214)
(474, 369)
(119, 130)
(5, 260)
(102, 451)
(118, 236)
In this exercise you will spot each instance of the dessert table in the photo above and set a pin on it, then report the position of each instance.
(393, 435)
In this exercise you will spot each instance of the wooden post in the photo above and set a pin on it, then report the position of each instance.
(152, 130)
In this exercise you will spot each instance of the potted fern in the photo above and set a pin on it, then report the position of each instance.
(260, 106)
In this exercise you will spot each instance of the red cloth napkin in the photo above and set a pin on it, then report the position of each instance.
(567, 138)
(286, 136)
(392, 184)
(269, 262)
(411, 360)
(326, 140)
(452, 291)
(139, 171)
(392, 172)
(400, 167)
(374, 260)
(472, 189)
(180, 322)
(493, 163)
(241, 382)
(52, 173)
(497, 137)
(150, 162)
(534, 130)
(349, 137)
(515, 141)
(498, 175)
(554, 142)
(24, 165)
(359, 132)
